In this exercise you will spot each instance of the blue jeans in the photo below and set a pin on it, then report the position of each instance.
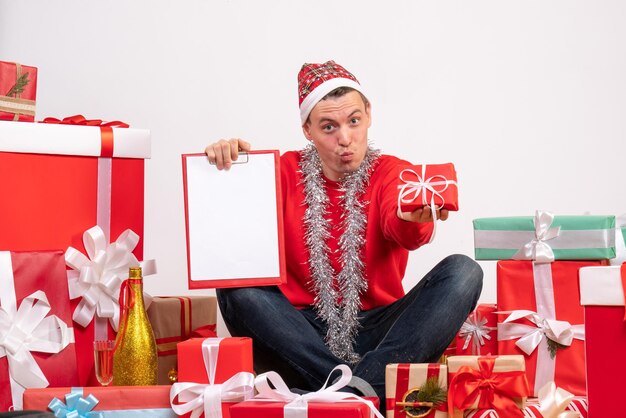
(415, 329)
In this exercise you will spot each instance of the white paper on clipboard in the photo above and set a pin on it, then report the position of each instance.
(233, 220)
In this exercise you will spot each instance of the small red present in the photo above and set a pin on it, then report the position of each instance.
(18, 91)
(206, 400)
(110, 401)
(431, 185)
(603, 294)
(402, 383)
(489, 382)
(36, 338)
(173, 320)
(275, 400)
(223, 357)
(213, 373)
(477, 335)
(546, 323)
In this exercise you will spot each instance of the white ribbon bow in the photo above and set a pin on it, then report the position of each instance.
(475, 329)
(208, 398)
(199, 398)
(528, 336)
(553, 401)
(297, 404)
(411, 190)
(538, 249)
(30, 329)
(97, 278)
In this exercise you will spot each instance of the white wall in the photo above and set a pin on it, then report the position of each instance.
(527, 98)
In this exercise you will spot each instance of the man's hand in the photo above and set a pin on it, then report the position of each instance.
(223, 152)
(423, 215)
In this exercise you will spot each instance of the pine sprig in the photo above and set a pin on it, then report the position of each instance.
(419, 402)
(19, 85)
(430, 391)
(553, 347)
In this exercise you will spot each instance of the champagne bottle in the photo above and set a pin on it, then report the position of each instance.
(135, 356)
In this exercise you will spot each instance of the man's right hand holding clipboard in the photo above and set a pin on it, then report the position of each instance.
(224, 152)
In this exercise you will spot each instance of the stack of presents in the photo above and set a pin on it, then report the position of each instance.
(550, 346)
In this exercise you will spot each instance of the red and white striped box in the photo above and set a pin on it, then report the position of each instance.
(401, 378)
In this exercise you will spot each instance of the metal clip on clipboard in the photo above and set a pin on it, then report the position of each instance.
(238, 160)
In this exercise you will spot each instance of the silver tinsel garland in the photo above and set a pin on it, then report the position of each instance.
(337, 301)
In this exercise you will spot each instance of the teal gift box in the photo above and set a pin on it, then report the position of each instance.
(545, 237)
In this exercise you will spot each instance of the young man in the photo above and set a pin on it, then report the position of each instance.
(347, 249)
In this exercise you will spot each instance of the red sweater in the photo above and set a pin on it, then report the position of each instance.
(388, 239)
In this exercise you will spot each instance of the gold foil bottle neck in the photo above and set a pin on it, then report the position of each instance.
(134, 273)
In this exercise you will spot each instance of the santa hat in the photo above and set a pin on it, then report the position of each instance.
(317, 80)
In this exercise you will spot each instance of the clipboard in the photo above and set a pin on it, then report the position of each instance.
(234, 221)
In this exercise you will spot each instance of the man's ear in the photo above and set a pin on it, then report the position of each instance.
(306, 129)
(368, 112)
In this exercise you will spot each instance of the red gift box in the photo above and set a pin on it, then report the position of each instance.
(603, 294)
(233, 355)
(478, 334)
(18, 91)
(544, 299)
(403, 378)
(431, 185)
(36, 350)
(205, 400)
(275, 400)
(223, 362)
(150, 401)
(59, 188)
(262, 409)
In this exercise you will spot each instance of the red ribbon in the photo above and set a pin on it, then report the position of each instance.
(492, 390)
(106, 129)
(127, 301)
(206, 331)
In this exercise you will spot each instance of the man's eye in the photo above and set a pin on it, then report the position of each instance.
(354, 121)
(327, 128)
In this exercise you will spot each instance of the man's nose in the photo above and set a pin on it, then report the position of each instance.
(343, 136)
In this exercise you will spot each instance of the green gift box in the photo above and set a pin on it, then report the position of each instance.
(545, 237)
